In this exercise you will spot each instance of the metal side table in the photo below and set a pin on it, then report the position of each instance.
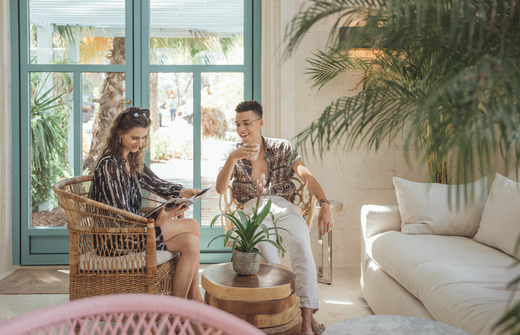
(336, 207)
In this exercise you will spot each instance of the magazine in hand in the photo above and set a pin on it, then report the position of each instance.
(172, 203)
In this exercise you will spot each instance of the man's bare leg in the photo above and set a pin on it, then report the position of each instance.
(308, 321)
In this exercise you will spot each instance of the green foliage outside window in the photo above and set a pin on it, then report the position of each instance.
(160, 149)
(48, 141)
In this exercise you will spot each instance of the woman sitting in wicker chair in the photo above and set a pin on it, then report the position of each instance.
(118, 177)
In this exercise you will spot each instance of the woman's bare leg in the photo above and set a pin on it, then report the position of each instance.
(183, 235)
(194, 292)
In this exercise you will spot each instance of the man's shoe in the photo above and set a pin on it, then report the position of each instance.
(319, 330)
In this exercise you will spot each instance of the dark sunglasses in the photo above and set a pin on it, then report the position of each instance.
(136, 111)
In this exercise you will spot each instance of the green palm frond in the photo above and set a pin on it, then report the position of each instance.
(372, 115)
(66, 34)
(327, 66)
(198, 47)
(344, 11)
(445, 74)
(229, 45)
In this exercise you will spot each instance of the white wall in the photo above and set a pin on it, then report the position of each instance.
(5, 139)
(356, 177)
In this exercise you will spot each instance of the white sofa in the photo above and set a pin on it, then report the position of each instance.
(414, 266)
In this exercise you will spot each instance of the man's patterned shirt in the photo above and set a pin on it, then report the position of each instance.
(280, 161)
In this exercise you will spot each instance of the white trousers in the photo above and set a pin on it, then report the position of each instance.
(289, 216)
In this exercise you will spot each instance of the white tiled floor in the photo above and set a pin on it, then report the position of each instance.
(339, 301)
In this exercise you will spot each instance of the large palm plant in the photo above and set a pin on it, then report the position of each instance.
(444, 73)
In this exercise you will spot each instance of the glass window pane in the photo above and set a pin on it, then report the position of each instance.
(221, 93)
(51, 104)
(196, 32)
(171, 147)
(101, 94)
(78, 32)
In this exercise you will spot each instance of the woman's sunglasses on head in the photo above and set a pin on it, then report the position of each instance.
(136, 111)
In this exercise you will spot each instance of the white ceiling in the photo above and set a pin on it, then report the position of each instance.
(169, 17)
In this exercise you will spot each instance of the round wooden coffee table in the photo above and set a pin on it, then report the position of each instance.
(391, 325)
(267, 300)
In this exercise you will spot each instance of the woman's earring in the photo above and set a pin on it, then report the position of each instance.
(121, 141)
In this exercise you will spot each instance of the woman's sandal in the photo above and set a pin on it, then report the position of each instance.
(319, 330)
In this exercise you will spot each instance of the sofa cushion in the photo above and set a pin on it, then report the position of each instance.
(500, 223)
(434, 209)
(459, 281)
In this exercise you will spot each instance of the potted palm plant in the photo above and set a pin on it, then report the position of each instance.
(441, 74)
(247, 232)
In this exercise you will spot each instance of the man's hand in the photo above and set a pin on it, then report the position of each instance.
(250, 152)
(325, 219)
(165, 215)
(246, 151)
(188, 192)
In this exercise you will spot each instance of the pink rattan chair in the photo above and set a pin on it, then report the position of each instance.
(130, 314)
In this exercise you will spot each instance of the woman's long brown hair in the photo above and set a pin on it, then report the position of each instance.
(122, 124)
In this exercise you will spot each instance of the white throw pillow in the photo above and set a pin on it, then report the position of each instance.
(500, 224)
(432, 208)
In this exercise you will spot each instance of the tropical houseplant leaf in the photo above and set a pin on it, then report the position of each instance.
(443, 75)
(250, 230)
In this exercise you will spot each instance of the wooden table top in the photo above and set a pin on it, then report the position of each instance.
(272, 282)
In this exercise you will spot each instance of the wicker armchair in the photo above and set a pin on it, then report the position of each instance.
(130, 314)
(304, 200)
(103, 258)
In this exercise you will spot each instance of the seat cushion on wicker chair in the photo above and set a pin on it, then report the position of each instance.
(94, 262)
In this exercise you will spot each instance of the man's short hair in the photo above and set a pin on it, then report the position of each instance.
(251, 105)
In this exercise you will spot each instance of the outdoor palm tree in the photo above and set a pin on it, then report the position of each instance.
(445, 75)
(198, 48)
(109, 103)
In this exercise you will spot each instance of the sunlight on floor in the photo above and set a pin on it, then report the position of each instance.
(335, 302)
(339, 301)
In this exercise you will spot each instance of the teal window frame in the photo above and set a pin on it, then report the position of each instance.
(136, 39)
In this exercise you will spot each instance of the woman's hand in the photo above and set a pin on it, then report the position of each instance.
(165, 215)
(247, 151)
(188, 192)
